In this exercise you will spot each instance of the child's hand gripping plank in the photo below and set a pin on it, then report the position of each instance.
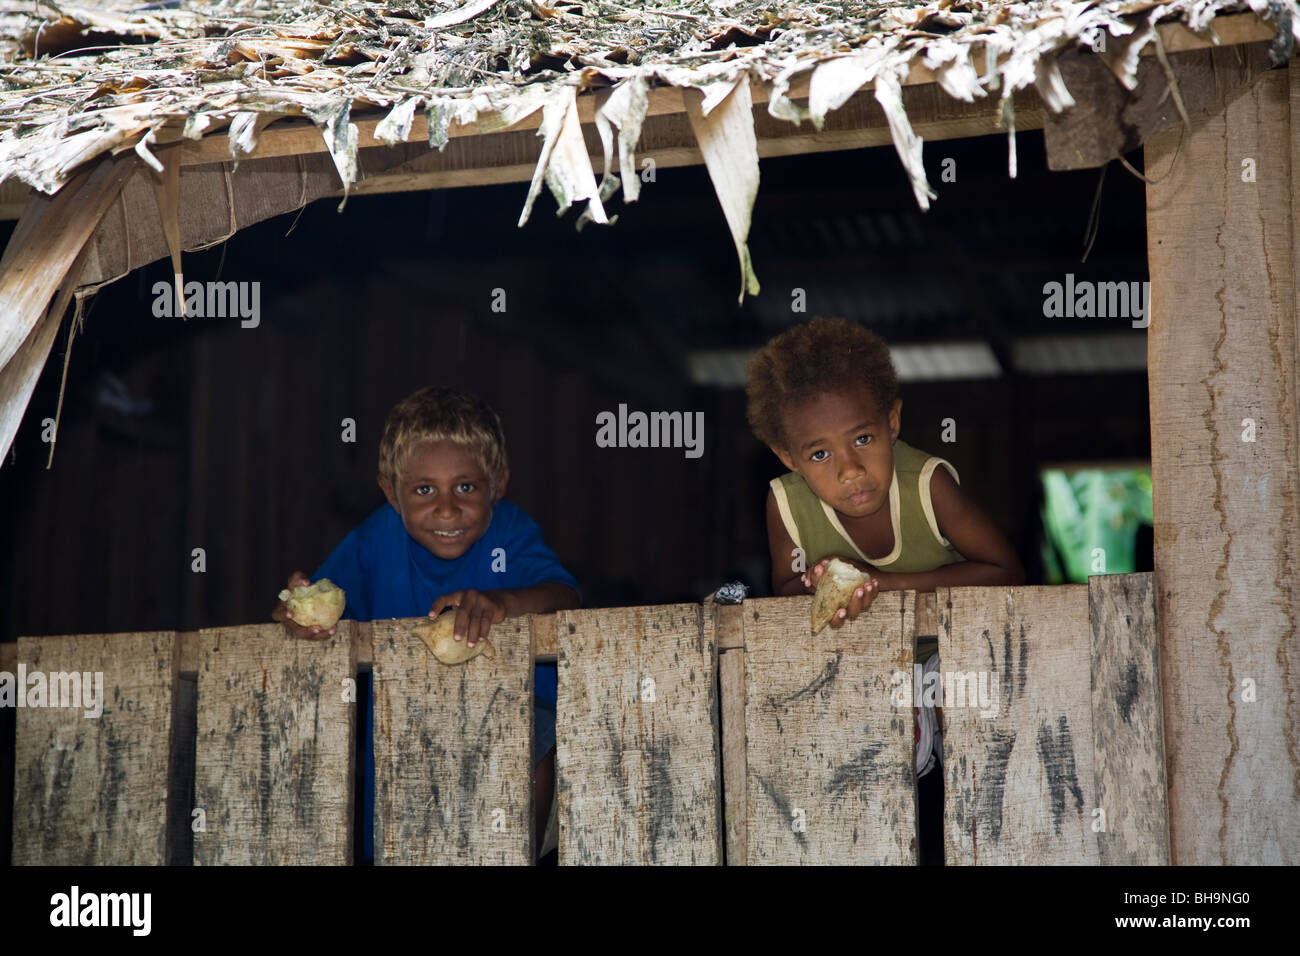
(843, 591)
(310, 627)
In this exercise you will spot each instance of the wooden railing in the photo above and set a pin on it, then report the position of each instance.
(685, 734)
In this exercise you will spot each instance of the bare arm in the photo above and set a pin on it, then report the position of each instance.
(785, 580)
(539, 599)
(990, 559)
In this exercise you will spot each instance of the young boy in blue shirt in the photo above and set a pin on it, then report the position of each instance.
(447, 538)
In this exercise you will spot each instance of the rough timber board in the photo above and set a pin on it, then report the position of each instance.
(830, 774)
(729, 626)
(1127, 721)
(1107, 121)
(637, 737)
(1018, 785)
(667, 139)
(453, 750)
(274, 753)
(43, 261)
(1222, 349)
(92, 791)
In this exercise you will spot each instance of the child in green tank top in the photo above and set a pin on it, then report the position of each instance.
(824, 397)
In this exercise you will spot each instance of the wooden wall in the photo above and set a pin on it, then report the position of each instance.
(804, 749)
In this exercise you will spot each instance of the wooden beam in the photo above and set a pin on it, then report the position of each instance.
(293, 136)
(1108, 121)
(1128, 739)
(1222, 365)
(668, 141)
(45, 256)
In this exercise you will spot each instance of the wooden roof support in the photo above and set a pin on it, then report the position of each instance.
(1222, 244)
(1108, 121)
(42, 263)
(668, 140)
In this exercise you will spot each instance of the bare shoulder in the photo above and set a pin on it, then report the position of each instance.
(945, 490)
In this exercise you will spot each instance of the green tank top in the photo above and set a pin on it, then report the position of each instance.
(814, 526)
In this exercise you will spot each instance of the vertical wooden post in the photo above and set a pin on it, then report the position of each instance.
(1222, 358)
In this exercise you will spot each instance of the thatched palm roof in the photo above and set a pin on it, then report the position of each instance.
(189, 82)
(81, 79)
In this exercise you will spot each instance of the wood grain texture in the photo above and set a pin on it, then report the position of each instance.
(92, 791)
(1221, 350)
(1127, 721)
(274, 751)
(46, 253)
(453, 750)
(1019, 765)
(830, 775)
(637, 737)
(543, 631)
(729, 626)
(1108, 121)
(927, 614)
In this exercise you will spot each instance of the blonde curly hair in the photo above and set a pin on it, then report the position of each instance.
(437, 413)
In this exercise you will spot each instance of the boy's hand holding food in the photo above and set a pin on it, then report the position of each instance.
(476, 612)
(842, 592)
(309, 611)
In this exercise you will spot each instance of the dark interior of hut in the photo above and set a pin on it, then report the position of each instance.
(179, 435)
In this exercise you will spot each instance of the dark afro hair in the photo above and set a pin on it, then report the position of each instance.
(820, 356)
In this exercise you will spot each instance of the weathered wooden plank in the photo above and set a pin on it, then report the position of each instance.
(44, 254)
(729, 626)
(830, 774)
(274, 752)
(668, 140)
(1108, 121)
(1222, 369)
(49, 244)
(731, 676)
(453, 749)
(1294, 83)
(1018, 759)
(637, 737)
(927, 614)
(92, 790)
(543, 630)
(1128, 729)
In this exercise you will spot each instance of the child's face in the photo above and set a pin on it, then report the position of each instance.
(444, 497)
(842, 444)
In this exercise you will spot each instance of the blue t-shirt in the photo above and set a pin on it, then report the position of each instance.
(386, 573)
